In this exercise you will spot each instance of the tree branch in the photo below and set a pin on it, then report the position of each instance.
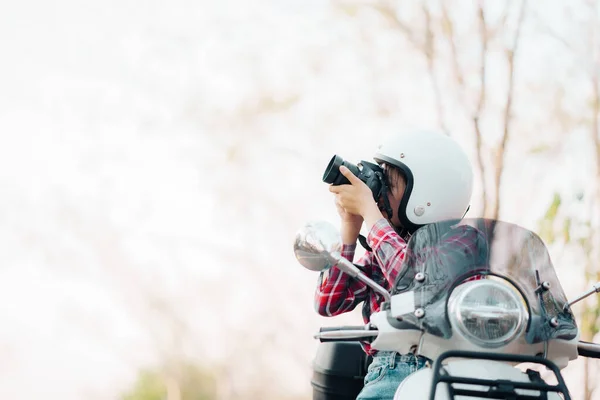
(427, 47)
(595, 129)
(499, 159)
(483, 33)
(548, 30)
(595, 81)
(389, 13)
(429, 51)
(493, 30)
(448, 29)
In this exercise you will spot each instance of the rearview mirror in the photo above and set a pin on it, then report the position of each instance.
(315, 243)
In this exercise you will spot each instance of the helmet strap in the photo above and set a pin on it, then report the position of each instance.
(401, 231)
(386, 201)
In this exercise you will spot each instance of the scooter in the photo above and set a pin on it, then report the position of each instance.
(478, 311)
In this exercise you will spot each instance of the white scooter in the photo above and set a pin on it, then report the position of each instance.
(478, 297)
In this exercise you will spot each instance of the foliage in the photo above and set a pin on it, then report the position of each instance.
(546, 224)
(558, 226)
(187, 382)
(149, 386)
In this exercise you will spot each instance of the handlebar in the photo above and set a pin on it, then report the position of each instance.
(587, 349)
(361, 333)
(346, 333)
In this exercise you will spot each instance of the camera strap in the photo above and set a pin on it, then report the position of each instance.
(363, 243)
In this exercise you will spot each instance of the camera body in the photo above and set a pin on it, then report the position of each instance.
(371, 174)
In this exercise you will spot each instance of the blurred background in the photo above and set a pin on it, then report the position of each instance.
(157, 158)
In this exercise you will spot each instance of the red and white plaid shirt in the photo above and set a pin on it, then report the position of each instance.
(337, 292)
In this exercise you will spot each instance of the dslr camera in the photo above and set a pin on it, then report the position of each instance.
(371, 174)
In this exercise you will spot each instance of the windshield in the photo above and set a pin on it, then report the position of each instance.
(446, 253)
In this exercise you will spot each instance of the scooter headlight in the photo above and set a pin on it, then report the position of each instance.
(489, 313)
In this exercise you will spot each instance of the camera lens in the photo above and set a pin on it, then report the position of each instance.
(332, 173)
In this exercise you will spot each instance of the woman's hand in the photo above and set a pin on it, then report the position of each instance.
(355, 201)
(351, 224)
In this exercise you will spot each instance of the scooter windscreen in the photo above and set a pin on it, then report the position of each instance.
(486, 277)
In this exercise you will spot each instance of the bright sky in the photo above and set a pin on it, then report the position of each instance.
(137, 164)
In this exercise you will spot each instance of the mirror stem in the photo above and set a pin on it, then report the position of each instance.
(352, 270)
(595, 289)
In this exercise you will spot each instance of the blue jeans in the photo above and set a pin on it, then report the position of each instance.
(386, 372)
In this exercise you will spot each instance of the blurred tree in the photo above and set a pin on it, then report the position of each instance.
(579, 227)
(468, 98)
(149, 386)
(185, 382)
(437, 31)
(575, 232)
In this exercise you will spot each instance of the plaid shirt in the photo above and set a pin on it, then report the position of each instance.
(338, 292)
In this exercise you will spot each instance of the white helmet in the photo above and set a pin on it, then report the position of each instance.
(439, 177)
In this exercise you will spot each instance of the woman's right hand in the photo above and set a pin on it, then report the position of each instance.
(351, 224)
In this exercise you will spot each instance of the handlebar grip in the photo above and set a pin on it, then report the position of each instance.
(342, 328)
(323, 340)
(346, 334)
(588, 349)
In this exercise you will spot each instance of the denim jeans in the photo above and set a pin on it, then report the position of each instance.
(386, 372)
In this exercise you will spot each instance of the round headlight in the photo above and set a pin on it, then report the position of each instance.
(488, 313)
